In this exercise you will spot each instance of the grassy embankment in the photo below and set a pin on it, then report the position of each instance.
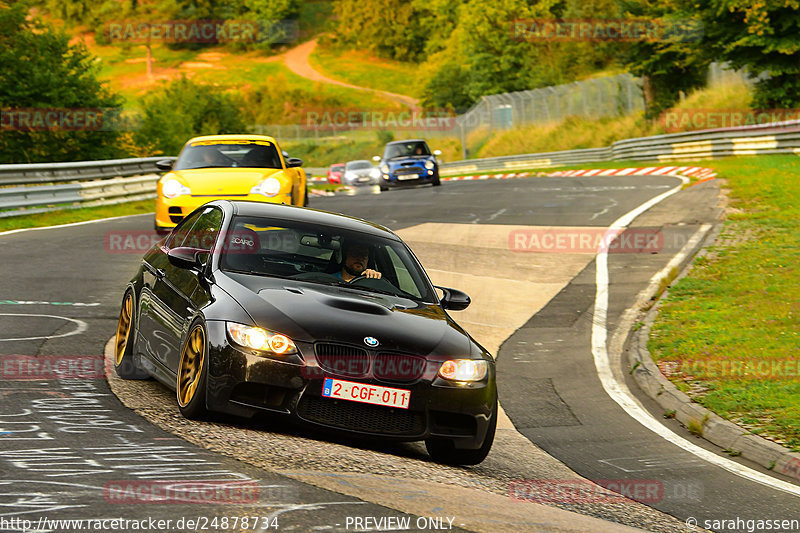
(739, 308)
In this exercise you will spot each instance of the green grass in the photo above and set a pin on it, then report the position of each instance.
(742, 301)
(366, 70)
(124, 69)
(68, 216)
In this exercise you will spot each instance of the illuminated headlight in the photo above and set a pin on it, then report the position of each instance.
(268, 187)
(374, 173)
(172, 188)
(260, 339)
(429, 164)
(350, 175)
(385, 169)
(464, 369)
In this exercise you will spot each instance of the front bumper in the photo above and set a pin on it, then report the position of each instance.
(170, 211)
(424, 176)
(244, 384)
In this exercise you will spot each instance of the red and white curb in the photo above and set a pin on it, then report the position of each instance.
(696, 172)
(489, 176)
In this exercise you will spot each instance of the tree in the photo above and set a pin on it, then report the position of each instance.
(390, 28)
(671, 64)
(183, 109)
(42, 71)
(761, 37)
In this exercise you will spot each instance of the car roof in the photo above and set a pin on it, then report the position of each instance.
(407, 141)
(309, 216)
(232, 137)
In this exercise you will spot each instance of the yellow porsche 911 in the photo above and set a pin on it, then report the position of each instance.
(241, 167)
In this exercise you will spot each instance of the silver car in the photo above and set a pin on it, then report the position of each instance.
(360, 172)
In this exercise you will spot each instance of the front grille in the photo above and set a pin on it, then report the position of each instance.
(175, 210)
(342, 359)
(409, 170)
(360, 417)
(398, 367)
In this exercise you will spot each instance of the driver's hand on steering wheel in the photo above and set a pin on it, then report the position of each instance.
(369, 273)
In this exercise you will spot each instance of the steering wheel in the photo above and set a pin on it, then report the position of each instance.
(360, 276)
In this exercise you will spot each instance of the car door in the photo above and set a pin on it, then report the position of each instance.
(179, 292)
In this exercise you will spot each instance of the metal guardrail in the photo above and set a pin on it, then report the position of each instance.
(78, 171)
(52, 186)
(773, 138)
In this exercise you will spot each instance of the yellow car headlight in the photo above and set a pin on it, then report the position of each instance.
(464, 369)
(269, 187)
(260, 339)
(172, 188)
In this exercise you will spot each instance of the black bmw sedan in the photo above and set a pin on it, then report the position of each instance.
(250, 307)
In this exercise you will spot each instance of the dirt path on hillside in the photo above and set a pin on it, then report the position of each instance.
(297, 60)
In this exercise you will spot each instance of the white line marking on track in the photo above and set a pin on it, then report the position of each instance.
(619, 392)
(9, 232)
(82, 326)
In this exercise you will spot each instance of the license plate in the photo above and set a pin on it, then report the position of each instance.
(364, 393)
(363, 178)
(407, 176)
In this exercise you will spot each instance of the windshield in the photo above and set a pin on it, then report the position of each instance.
(358, 165)
(216, 154)
(405, 149)
(315, 254)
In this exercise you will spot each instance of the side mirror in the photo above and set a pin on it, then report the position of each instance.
(164, 164)
(185, 257)
(294, 162)
(453, 299)
(437, 152)
(376, 158)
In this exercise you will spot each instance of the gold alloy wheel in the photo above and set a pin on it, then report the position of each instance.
(191, 365)
(124, 328)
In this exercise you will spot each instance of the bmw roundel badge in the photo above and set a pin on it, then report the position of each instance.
(371, 341)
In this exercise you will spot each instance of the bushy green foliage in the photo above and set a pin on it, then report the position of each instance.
(183, 109)
(761, 37)
(672, 64)
(41, 70)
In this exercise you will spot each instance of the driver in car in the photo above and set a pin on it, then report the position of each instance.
(356, 257)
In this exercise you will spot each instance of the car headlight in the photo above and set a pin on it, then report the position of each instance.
(260, 339)
(429, 164)
(374, 173)
(172, 188)
(349, 175)
(464, 369)
(268, 187)
(385, 169)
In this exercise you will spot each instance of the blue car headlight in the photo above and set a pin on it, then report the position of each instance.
(429, 164)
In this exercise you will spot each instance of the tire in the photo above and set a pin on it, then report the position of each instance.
(190, 386)
(436, 181)
(444, 451)
(383, 189)
(305, 197)
(124, 363)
